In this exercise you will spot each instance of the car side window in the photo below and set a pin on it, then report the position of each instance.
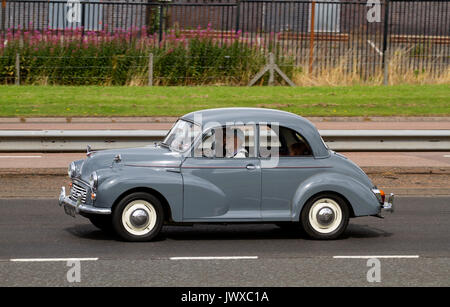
(237, 142)
(279, 141)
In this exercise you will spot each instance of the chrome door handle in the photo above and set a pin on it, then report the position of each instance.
(173, 170)
(250, 167)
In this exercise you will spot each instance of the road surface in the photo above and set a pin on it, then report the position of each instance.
(37, 238)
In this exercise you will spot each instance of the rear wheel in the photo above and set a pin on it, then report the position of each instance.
(138, 217)
(325, 217)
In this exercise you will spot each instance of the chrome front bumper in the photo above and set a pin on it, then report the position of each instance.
(388, 205)
(77, 207)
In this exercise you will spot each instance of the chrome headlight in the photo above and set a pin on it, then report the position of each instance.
(72, 170)
(93, 180)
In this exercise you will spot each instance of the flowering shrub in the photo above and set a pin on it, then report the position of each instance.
(119, 57)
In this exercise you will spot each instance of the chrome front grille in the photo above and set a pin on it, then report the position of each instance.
(78, 190)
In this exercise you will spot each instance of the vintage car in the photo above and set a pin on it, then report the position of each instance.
(229, 165)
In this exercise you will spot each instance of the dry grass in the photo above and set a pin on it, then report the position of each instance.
(140, 79)
(348, 72)
(401, 70)
(41, 80)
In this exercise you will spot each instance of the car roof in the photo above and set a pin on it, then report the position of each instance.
(223, 116)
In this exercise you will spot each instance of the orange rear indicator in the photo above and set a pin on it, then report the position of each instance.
(383, 196)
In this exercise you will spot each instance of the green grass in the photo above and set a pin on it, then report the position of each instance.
(67, 101)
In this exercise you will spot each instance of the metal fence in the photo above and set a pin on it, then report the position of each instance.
(361, 35)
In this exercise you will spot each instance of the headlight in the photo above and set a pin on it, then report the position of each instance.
(72, 169)
(93, 180)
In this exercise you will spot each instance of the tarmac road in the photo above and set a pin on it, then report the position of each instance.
(415, 239)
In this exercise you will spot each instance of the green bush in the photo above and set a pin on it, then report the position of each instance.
(72, 57)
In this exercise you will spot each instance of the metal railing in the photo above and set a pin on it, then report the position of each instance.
(341, 140)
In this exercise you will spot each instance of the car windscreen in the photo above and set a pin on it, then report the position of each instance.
(182, 135)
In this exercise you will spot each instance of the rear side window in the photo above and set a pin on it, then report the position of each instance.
(278, 141)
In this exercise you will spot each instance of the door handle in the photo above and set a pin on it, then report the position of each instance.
(250, 167)
(173, 170)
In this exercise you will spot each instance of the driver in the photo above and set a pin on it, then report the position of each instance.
(234, 143)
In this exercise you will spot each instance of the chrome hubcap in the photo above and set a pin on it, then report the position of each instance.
(325, 216)
(139, 218)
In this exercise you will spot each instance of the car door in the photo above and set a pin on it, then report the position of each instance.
(220, 188)
(286, 160)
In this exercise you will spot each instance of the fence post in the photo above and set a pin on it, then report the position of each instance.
(386, 68)
(385, 42)
(238, 10)
(311, 37)
(150, 69)
(17, 69)
(3, 16)
(161, 12)
(271, 67)
(82, 19)
(271, 70)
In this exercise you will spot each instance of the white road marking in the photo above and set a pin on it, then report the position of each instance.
(51, 259)
(378, 256)
(18, 157)
(446, 156)
(214, 258)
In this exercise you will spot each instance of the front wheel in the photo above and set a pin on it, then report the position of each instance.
(325, 217)
(138, 217)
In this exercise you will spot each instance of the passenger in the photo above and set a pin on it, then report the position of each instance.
(299, 149)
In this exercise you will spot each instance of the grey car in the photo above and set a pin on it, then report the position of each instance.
(228, 165)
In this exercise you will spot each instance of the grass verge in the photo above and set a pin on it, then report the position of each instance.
(69, 101)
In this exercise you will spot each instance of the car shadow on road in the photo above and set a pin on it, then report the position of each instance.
(364, 231)
(353, 231)
(230, 232)
(86, 231)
